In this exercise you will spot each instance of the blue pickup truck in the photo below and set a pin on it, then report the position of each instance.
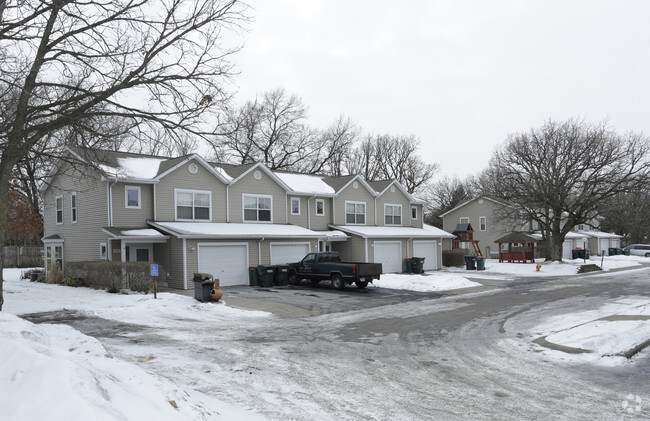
(328, 266)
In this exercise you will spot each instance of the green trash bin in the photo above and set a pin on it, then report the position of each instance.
(480, 263)
(265, 275)
(469, 263)
(418, 264)
(281, 275)
(627, 252)
(409, 265)
(253, 279)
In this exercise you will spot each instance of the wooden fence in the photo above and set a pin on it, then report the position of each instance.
(20, 257)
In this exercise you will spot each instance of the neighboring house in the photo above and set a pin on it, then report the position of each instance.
(481, 214)
(193, 216)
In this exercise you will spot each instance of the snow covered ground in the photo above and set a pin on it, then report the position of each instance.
(494, 269)
(49, 366)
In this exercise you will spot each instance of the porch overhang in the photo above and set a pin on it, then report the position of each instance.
(136, 235)
(232, 230)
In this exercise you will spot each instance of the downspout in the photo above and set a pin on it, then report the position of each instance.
(376, 224)
(259, 251)
(154, 203)
(227, 202)
(184, 264)
(110, 202)
(309, 212)
(333, 211)
(286, 207)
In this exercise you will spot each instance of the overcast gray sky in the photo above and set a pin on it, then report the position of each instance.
(460, 75)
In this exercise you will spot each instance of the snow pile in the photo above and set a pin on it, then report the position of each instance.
(52, 372)
(431, 281)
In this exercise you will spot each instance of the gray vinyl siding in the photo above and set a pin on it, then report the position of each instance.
(394, 198)
(131, 217)
(473, 210)
(181, 178)
(417, 222)
(301, 220)
(81, 239)
(353, 250)
(266, 187)
(360, 194)
(320, 222)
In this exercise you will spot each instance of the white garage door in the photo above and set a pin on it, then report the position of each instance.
(288, 252)
(604, 245)
(227, 262)
(428, 250)
(567, 248)
(389, 254)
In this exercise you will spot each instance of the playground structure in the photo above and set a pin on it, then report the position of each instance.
(464, 237)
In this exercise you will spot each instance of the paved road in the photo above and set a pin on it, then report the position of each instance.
(399, 355)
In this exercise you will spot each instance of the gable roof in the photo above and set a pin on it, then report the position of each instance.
(248, 168)
(517, 237)
(341, 183)
(382, 186)
(470, 201)
(173, 163)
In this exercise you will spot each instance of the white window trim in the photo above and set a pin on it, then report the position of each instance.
(464, 217)
(56, 209)
(243, 209)
(291, 205)
(323, 207)
(393, 205)
(126, 197)
(365, 207)
(480, 223)
(103, 256)
(208, 192)
(74, 209)
(414, 217)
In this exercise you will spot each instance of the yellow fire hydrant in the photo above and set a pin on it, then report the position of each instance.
(538, 267)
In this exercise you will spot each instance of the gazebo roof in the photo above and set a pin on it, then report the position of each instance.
(517, 237)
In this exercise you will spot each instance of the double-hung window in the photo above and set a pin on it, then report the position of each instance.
(257, 208)
(482, 223)
(193, 205)
(414, 212)
(59, 209)
(73, 207)
(464, 220)
(295, 206)
(392, 214)
(132, 197)
(355, 213)
(320, 207)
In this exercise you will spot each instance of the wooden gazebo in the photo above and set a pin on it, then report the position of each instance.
(517, 247)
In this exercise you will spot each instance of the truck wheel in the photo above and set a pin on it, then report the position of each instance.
(337, 282)
(361, 284)
(293, 278)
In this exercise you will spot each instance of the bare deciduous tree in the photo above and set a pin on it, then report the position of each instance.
(69, 67)
(443, 195)
(559, 174)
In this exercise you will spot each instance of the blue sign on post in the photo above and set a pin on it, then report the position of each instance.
(154, 270)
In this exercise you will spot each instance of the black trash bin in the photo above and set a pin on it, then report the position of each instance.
(469, 263)
(265, 275)
(575, 254)
(480, 263)
(418, 264)
(281, 275)
(253, 279)
(409, 265)
(203, 284)
(611, 251)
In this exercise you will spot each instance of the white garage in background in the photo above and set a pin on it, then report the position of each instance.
(567, 249)
(428, 250)
(389, 254)
(288, 252)
(227, 262)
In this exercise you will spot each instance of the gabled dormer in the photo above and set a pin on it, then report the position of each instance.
(354, 203)
(395, 205)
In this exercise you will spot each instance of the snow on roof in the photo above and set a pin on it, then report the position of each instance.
(236, 230)
(305, 183)
(572, 235)
(599, 234)
(134, 168)
(145, 232)
(334, 235)
(438, 231)
(394, 232)
(223, 172)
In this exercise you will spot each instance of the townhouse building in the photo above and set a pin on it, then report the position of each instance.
(190, 215)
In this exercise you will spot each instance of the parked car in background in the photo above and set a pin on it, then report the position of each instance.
(639, 249)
